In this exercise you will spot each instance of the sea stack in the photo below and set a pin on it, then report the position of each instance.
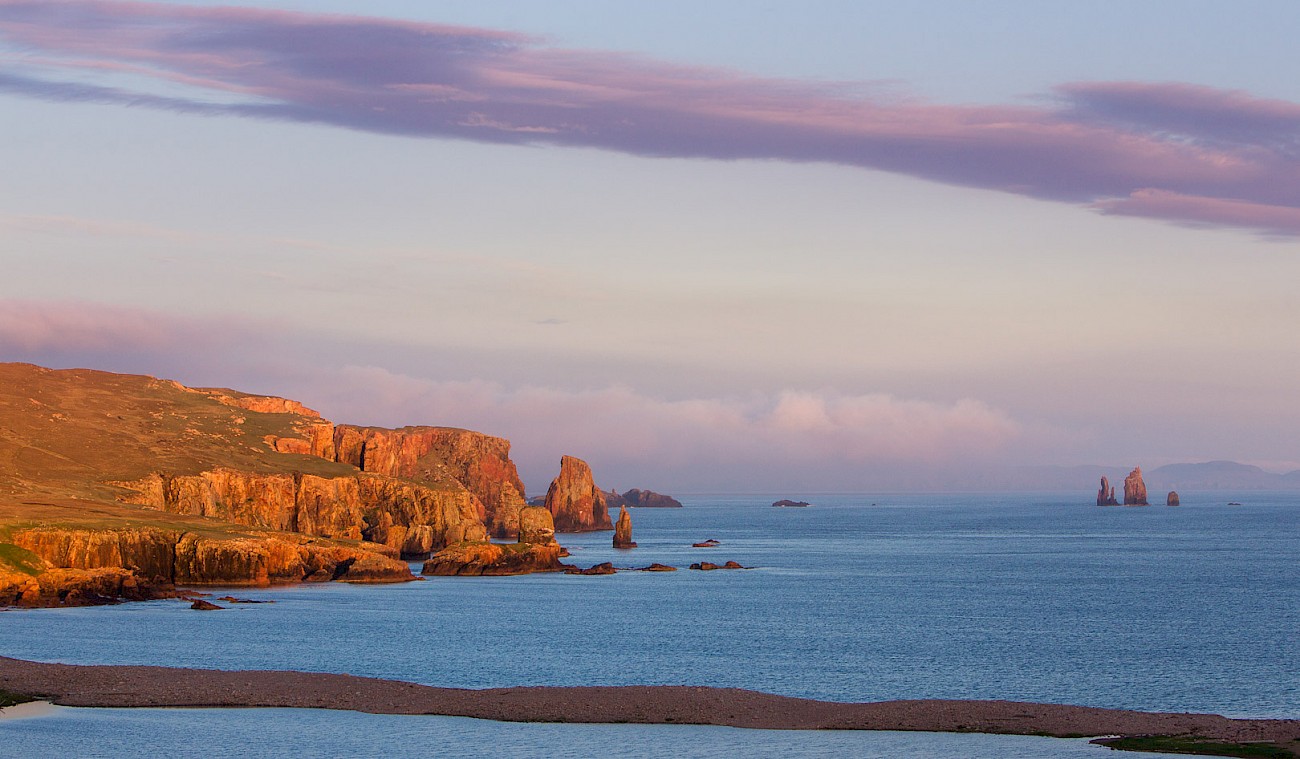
(1135, 490)
(574, 500)
(536, 526)
(1106, 496)
(1172, 498)
(623, 530)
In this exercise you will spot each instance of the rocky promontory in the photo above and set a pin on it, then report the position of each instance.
(121, 486)
(535, 551)
(575, 501)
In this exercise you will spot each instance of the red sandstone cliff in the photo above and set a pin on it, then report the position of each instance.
(446, 457)
(140, 483)
(158, 556)
(575, 501)
(407, 517)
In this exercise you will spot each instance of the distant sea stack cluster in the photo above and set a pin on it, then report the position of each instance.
(1135, 492)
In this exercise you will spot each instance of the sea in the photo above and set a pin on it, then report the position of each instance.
(1033, 597)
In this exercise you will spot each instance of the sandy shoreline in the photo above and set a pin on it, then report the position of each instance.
(141, 686)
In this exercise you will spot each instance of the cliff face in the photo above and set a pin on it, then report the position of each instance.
(444, 457)
(187, 558)
(407, 517)
(575, 501)
(75, 587)
(213, 486)
(1135, 490)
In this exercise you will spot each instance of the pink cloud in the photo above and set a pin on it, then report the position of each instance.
(696, 442)
(1095, 142)
(37, 325)
(825, 439)
(1280, 221)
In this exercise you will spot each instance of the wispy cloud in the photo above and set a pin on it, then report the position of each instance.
(1098, 144)
(1108, 146)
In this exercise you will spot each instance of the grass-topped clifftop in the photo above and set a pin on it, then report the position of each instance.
(66, 434)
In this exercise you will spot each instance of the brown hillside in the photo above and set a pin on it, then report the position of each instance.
(101, 470)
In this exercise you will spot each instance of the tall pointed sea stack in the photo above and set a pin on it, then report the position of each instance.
(623, 530)
(1106, 496)
(1135, 490)
(575, 501)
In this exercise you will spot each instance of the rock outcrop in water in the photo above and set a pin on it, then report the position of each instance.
(623, 530)
(575, 501)
(1135, 490)
(536, 525)
(1172, 498)
(535, 551)
(1106, 495)
(495, 559)
(648, 499)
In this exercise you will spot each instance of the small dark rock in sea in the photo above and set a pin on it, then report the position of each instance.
(788, 504)
(201, 605)
(710, 543)
(706, 566)
(605, 568)
(233, 600)
(656, 567)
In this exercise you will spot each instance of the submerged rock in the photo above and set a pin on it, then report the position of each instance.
(201, 605)
(655, 567)
(710, 543)
(1135, 490)
(604, 568)
(707, 566)
(623, 530)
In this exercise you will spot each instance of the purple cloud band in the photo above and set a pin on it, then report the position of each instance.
(1178, 152)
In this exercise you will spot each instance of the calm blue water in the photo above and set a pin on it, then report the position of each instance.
(1034, 598)
(184, 733)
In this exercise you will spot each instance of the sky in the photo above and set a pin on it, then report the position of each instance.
(712, 246)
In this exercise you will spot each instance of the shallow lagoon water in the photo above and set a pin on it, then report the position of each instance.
(183, 733)
(859, 598)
